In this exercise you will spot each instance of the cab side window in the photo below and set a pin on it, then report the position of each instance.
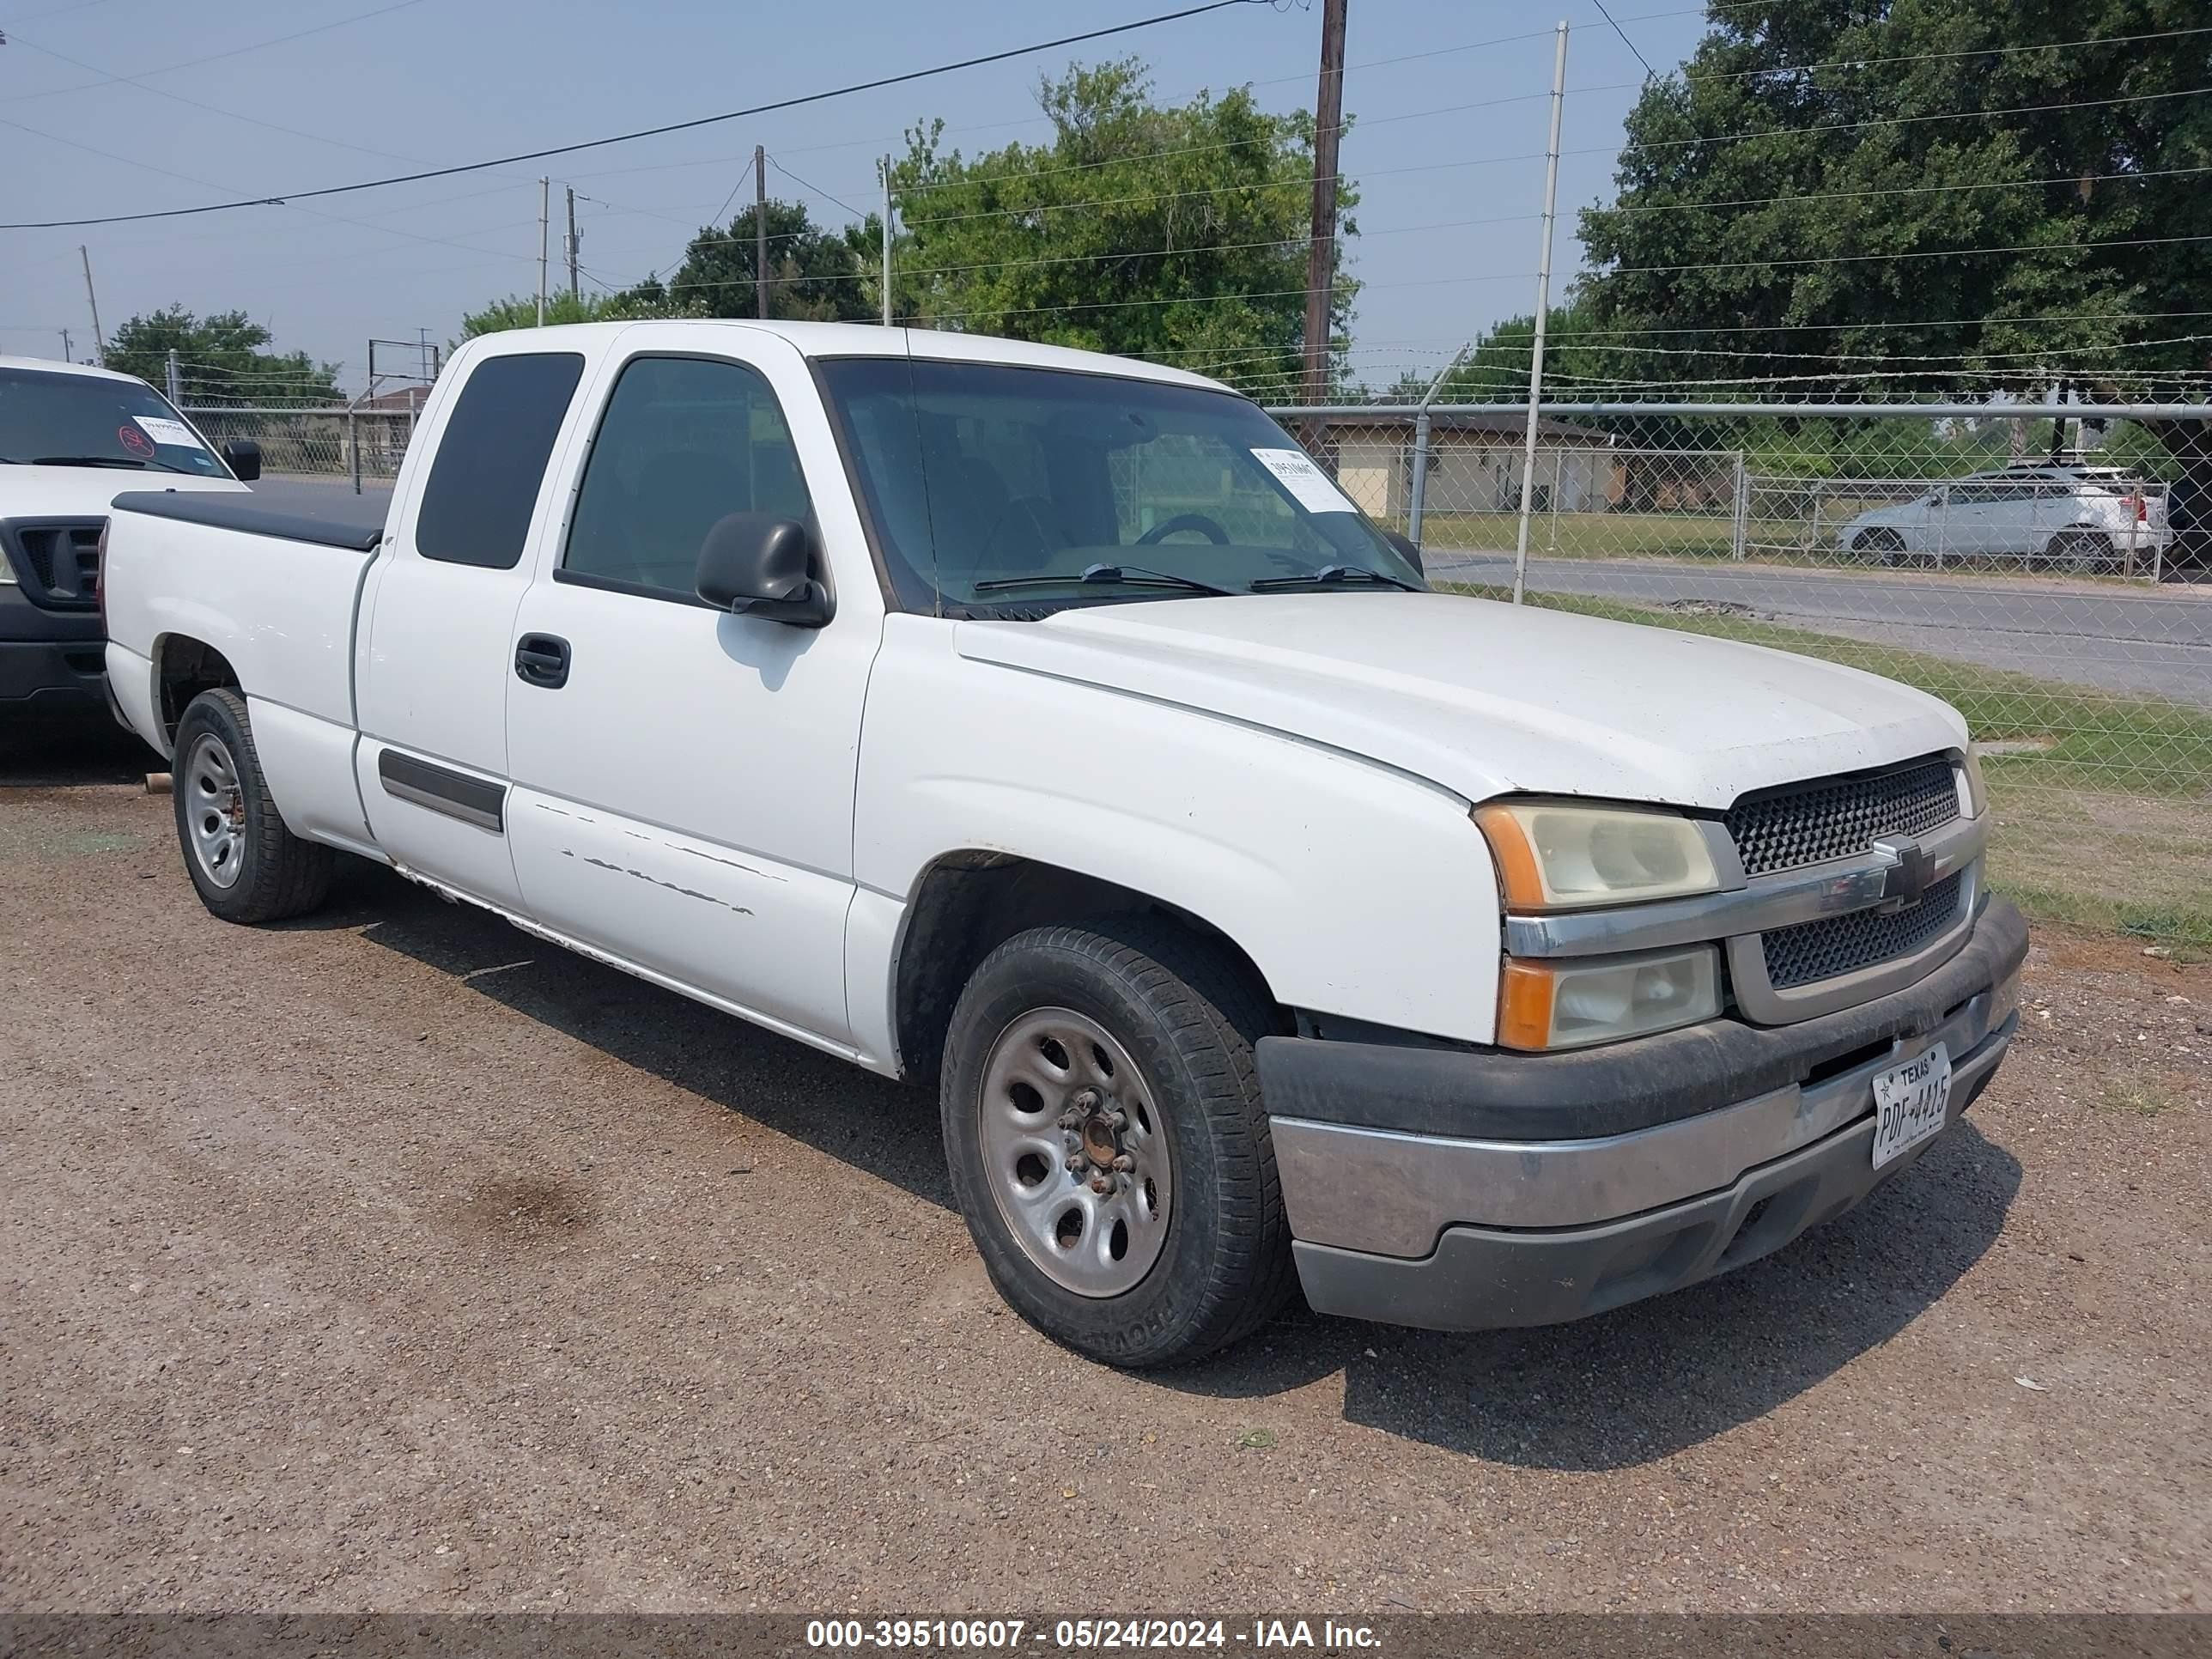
(491, 458)
(685, 442)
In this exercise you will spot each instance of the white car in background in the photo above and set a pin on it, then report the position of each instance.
(2065, 518)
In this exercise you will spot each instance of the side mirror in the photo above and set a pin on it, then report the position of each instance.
(1408, 546)
(758, 565)
(243, 457)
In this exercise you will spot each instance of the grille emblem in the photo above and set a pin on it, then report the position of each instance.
(1907, 880)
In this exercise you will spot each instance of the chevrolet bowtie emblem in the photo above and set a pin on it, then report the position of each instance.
(1905, 883)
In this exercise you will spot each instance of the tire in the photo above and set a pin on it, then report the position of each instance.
(1175, 1025)
(1886, 546)
(2080, 551)
(247, 865)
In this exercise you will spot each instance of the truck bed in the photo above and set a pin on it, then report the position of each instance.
(278, 594)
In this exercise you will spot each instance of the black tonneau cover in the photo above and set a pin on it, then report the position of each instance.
(225, 511)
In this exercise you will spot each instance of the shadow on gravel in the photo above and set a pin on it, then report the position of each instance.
(62, 754)
(1638, 1384)
(882, 1128)
(1625, 1389)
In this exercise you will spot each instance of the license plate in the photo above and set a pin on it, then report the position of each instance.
(1911, 1102)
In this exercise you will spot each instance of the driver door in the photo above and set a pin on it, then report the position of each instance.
(683, 777)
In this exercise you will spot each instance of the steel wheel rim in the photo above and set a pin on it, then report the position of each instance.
(215, 810)
(1062, 1111)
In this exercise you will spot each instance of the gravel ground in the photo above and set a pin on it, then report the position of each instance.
(395, 1260)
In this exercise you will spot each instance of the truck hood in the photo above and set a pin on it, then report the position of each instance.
(84, 492)
(1483, 698)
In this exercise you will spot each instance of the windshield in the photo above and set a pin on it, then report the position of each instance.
(87, 419)
(992, 486)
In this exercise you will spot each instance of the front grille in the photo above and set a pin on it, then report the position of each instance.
(1815, 950)
(1803, 823)
(59, 564)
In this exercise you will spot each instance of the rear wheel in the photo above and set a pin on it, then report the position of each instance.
(1107, 1143)
(2080, 551)
(247, 865)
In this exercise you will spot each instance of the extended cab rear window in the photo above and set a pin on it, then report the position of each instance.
(491, 458)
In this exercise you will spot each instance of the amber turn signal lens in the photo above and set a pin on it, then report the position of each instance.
(1519, 879)
(1524, 1004)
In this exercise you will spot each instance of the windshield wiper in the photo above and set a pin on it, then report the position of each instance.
(99, 460)
(1127, 575)
(1332, 572)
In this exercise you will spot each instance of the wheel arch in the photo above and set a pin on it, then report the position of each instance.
(968, 901)
(185, 666)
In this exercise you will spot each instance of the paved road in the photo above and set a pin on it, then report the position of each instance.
(327, 498)
(2158, 641)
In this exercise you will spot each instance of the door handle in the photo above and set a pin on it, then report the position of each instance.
(543, 659)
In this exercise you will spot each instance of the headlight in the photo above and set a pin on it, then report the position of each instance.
(1570, 1005)
(1971, 796)
(1555, 855)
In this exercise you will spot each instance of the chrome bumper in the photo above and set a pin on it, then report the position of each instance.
(1654, 1139)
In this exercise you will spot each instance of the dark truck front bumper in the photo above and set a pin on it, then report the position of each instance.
(1463, 1190)
(50, 660)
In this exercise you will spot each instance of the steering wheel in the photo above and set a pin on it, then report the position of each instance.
(1198, 521)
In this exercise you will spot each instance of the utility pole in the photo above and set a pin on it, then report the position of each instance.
(66, 356)
(544, 212)
(1543, 315)
(760, 226)
(887, 241)
(98, 340)
(1320, 260)
(572, 242)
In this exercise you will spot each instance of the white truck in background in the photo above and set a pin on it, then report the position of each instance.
(1047, 727)
(71, 436)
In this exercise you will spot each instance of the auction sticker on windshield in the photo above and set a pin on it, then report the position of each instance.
(1912, 1102)
(163, 430)
(1312, 488)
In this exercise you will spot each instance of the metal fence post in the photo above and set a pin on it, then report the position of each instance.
(353, 447)
(1739, 533)
(176, 379)
(1421, 477)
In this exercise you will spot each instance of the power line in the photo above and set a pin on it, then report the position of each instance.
(287, 197)
(815, 189)
(1625, 40)
(213, 57)
(1911, 190)
(1938, 57)
(1881, 121)
(1909, 253)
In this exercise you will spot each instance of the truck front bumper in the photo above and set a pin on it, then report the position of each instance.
(49, 659)
(1463, 1189)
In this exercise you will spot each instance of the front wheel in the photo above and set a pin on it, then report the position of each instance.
(1107, 1143)
(247, 865)
(1884, 546)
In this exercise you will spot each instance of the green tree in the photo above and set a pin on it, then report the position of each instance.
(647, 298)
(1807, 185)
(815, 275)
(1172, 232)
(220, 359)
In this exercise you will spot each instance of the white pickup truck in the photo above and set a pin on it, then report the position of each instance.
(1046, 726)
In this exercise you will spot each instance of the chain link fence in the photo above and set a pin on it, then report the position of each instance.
(2048, 578)
(334, 442)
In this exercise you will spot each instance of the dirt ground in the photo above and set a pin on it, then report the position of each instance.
(393, 1259)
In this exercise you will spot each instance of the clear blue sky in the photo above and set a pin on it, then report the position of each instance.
(445, 80)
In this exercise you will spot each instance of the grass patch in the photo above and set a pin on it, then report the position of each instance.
(1586, 535)
(2103, 827)
(2143, 1096)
